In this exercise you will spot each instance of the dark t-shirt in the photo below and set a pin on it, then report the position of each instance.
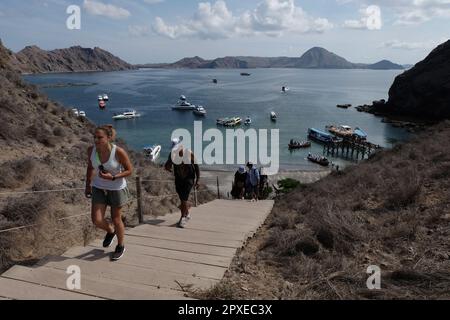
(183, 171)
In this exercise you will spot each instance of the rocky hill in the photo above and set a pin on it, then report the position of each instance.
(424, 90)
(33, 59)
(315, 58)
(44, 147)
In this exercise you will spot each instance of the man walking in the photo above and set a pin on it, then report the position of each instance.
(187, 175)
(253, 180)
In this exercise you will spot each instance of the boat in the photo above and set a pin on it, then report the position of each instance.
(341, 131)
(298, 144)
(248, 121)
(102, 104)
(321, 136)
(200, 111)
(100, 98)
(214, 81)
(184, 105)
(284, 89)
(323, 161)
(222, 121)
(273, 116)
(233, 122)
(152, 152)
(359, 133)
(344, 106)
(82, 114)
(105, 97)
(75, 112)
(130, 114)
(245, 74)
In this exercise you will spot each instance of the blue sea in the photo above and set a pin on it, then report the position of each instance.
(310, 102)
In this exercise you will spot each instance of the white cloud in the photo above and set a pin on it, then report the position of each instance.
(370, 19)
(409, 12)
(216, 21)
(153, 1)
(97, 8)
(396, 44)
(139, 31)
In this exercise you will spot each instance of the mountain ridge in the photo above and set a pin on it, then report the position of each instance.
(314, 58)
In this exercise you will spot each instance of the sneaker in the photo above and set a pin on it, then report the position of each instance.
(182, 223)
(109, 238)
(188, 217)
(118, 253)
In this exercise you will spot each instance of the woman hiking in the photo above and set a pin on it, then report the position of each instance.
(108, 166)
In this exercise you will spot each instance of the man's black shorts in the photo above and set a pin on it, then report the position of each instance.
(184, 188)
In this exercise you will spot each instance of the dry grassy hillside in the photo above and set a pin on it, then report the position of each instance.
(392, 211)
(44, 147)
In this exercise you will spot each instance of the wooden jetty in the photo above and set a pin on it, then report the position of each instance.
(351, 148)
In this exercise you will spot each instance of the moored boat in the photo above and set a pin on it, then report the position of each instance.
(105, 97)
(184, 105)
(245, 74)
(359, 133)
(344, 106)
(321, 136)
(200, 111)
(248, 121)
(130, 114)
(273, 116)
(323, 161)
(298, 144)
(340, 131)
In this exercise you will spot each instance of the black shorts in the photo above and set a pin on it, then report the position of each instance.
(184, 188)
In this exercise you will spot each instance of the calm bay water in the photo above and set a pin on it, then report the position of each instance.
(311, 102)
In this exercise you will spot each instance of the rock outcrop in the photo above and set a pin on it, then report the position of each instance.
(33, 59)
(424, 90)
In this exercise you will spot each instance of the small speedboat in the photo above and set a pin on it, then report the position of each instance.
(152, 152)
(105, 97)
(75, 112)
(344, 106)
(233, 122)
(184, 105)
(245, 74)
(284, 89)
(323, 161)
(200, 111)
(100, 98)
(273, 116)
(248, 121)
(131, 114)
(82, 114)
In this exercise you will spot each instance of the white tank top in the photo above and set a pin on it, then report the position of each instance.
(112, 166)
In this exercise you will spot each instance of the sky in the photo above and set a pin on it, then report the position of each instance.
(153, 31)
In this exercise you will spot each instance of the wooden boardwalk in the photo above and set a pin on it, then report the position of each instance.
(161, 261)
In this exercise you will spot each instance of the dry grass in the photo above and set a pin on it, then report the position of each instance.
(391, 211)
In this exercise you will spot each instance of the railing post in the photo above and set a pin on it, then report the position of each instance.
(139, 199)
(218, 189)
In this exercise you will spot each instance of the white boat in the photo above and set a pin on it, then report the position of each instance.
(284, 89)
(105, 97)
(100, 98)
(82, 114)
(200, 111)
(75, 112)
(233, 122)
(184, 105)
(131, 114)
(248, 121)
(273, 116)
(152, 152)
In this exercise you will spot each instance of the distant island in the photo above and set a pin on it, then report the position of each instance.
(33, 59)
(315, 58)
